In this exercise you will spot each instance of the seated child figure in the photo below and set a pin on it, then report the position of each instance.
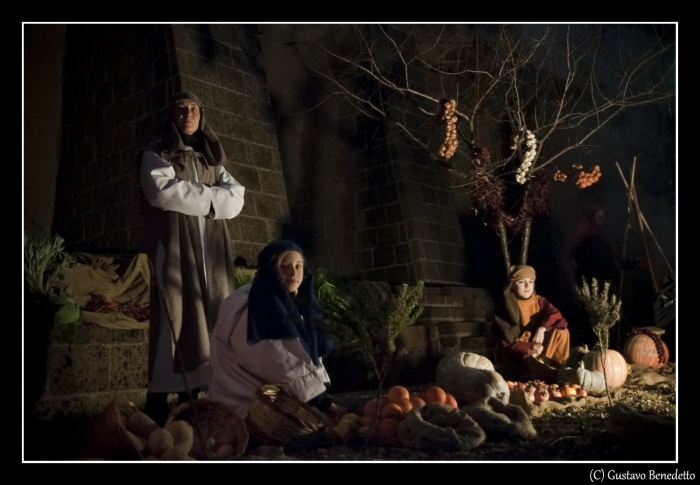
(529, 327)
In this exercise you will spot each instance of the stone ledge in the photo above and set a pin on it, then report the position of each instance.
(88, 333)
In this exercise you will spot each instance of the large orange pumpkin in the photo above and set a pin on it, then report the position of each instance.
(615, 366)
(642, 349)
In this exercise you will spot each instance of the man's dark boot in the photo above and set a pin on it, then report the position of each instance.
(184, 397)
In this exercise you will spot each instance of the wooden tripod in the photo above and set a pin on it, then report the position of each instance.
(636, 218)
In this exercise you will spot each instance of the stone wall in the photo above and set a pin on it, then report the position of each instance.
(90, 366)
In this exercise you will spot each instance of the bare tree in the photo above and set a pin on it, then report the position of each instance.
(498, 105)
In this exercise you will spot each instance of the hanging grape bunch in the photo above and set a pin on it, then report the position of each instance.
(583, 179)
(449, 146)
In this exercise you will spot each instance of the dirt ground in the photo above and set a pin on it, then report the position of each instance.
(582, 429)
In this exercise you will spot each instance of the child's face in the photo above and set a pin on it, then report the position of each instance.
(290, 270)
(524, 287)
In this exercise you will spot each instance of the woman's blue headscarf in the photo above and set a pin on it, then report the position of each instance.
(274, 314)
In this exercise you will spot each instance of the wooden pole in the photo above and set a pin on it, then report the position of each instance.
(526, 241)
(633, 196)
(627, 229)
(646, 224)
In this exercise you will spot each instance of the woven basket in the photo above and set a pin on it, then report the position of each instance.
(216, 420)
(108, 436)
(276, 416)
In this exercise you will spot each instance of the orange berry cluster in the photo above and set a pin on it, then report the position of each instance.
(449, 146)
(586, 179)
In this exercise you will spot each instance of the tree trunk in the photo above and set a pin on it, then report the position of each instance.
(504, 245)
(526, 242)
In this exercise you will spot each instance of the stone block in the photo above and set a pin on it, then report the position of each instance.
(84, 405)
(426, 271)
(128, 367)
(461, 291)
(443, 314)
(232, 79)
(79, 369)
(471, 344)
(253, 229)
(464, 329)
(450, 341)
(441, 300)
(414, 337)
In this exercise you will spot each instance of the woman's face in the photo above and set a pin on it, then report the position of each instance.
(524, 287)
(186, 116)
(290, 270)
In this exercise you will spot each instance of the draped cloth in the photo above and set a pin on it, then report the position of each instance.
(191, 256)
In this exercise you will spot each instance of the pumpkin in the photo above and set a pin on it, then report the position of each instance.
(615, 371)
(643, 348)
(468, 384)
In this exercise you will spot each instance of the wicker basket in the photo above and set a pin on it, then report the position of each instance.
(108, 436)
(216, 420)
(276, 416)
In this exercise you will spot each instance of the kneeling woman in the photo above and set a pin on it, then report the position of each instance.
(529, 326)
(269, 332)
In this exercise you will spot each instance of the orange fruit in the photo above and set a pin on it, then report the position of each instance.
(392, 410)
(451, 401)
(405, 404)
(435, 394)
(389, 427)
(419, 394)
(417, 401)
(396, 393)
(371, 406)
